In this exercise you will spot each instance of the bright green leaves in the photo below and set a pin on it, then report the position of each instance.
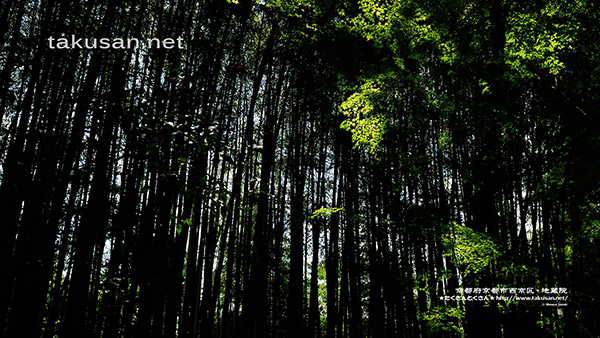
(325, 212)
(426, 37)
(442, 321)
(472, 251)
(444, 139)
(405, 28)
(535, 40)
(374, 22)
(364, 120)
(295, 8)
(485, 87)
(187, 222)
(413, 38)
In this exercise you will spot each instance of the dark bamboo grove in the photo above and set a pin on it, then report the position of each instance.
(300, 169)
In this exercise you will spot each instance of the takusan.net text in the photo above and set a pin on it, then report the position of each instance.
(74, 42)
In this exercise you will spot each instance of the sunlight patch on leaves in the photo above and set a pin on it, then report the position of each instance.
(363, 120)
(325, 212)
(471, 251)
(537, 40)
(441, 321)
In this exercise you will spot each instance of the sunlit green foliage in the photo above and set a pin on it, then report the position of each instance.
(472, 251)
(399, 25)
(366, 122)
(325, 212)
(535, 39)
(443, 321)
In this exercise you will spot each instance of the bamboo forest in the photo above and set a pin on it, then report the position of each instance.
(299, 168)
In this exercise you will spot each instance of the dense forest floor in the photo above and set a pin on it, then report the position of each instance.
(299, 168)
